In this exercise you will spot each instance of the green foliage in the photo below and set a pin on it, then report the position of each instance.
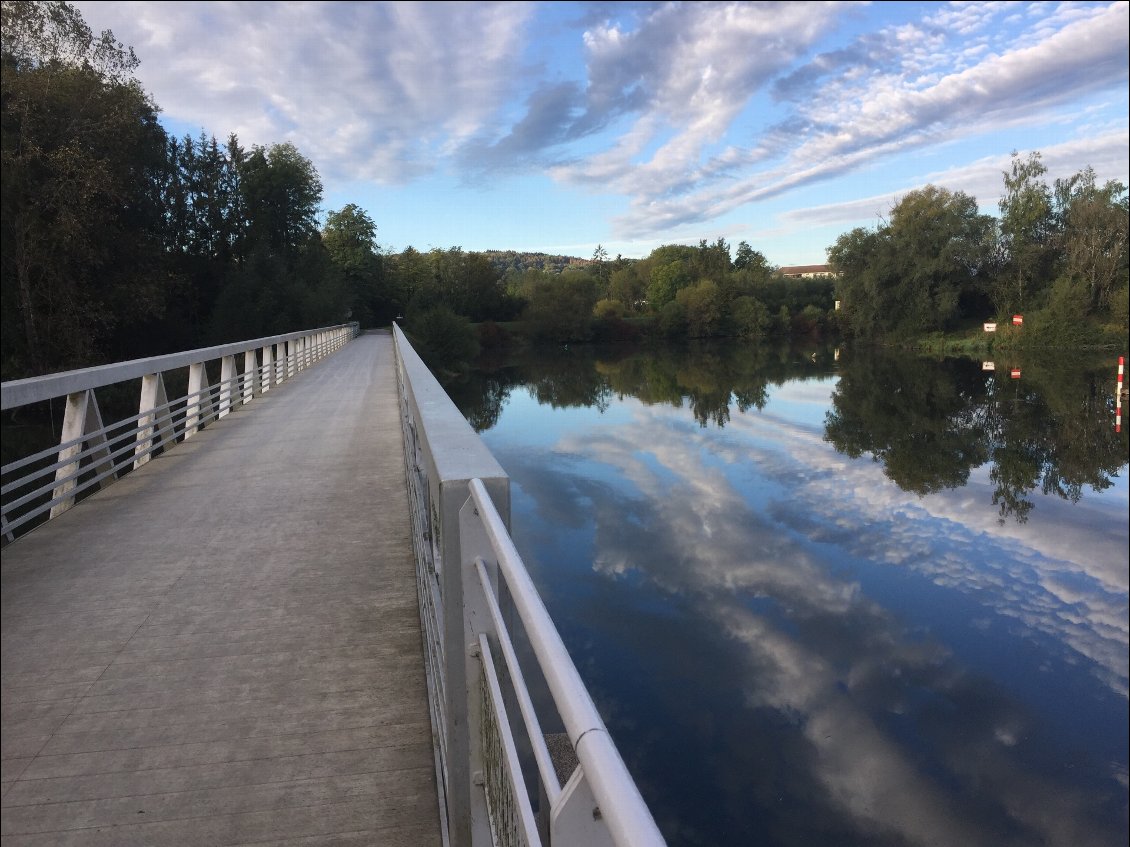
(508, 262)
(1027, 233)
(443, 339)
(281, 192)
(628, 285)
(81, 233)
(911, 276)
(666, 281)
(1062, 322)
(749, 317)
(703, 307)
(1059, 258)
(1094, 223)
(1120, 308)
(349, 237)
(673, 320)
(559, 309)
(606, 308)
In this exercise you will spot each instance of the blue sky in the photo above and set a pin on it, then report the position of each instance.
(558, 126)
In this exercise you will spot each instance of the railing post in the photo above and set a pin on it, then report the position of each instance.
(291, 358)
(81, 416)
(250, 376)
(456, 683)
(475, 618)
(228, 374)
(573, 818)
(200, 404)
(268, 366)
(280, 362)
(154, 404)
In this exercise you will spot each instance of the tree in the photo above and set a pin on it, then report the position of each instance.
(1094, 235)
(350, 238)
(560, 308)
(1027, 234)
(703, 307)
(666, 281)
(281, 192)
(749, 318)
(628, 286)
(82, 228)
(745, 256)
(601, 266)
(919, 272)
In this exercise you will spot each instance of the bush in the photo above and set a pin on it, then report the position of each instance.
(1120, 308)
(608, 309)
(672, 319)
(1062, 323)
(442, 338)
(749, 317)
(492, 336)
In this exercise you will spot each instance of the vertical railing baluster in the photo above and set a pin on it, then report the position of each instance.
(81, 417)
(228, 375)
(268, 367)
(280, 362)
(250, 376)
(152, 406)
(199, 404)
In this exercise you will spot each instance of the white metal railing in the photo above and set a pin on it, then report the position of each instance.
(497, 777)
(91, 454)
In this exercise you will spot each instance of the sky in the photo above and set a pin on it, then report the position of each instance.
(557, 127)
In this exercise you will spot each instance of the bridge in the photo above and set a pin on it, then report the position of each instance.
(283, 607)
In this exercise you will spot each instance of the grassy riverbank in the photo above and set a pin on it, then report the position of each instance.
(1038, 335)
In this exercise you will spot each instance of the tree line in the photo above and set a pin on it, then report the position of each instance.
(1056, 255)
(120, 240)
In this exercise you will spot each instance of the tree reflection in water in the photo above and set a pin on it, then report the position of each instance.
(929, 423)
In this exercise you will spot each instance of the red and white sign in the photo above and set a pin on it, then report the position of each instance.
(1015, 373)
(1018, 320)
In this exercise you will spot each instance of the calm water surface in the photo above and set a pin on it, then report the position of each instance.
(878, 600)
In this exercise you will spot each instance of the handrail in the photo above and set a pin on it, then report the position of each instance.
(89, 454)
(474, 591)
(619, 799)
(21, 392)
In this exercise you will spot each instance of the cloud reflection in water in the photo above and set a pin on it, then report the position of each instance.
(768, 538)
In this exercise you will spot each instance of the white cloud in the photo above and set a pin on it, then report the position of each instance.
(853, 120)
(365, 90)
(689, 111)
(981, 179)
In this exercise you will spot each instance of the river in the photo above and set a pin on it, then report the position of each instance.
(827, 597)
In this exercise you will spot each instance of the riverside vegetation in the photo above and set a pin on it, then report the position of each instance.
(122, 241)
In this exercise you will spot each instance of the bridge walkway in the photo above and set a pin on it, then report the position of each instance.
(223, 647)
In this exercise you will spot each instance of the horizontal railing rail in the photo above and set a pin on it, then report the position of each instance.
(497, 776)
(90, 454)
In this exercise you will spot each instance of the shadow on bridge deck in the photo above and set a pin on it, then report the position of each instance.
(224, 646)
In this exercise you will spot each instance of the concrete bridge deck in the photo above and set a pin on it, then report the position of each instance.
(223, 647)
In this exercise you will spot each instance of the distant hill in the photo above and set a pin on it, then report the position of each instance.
(512, 260)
